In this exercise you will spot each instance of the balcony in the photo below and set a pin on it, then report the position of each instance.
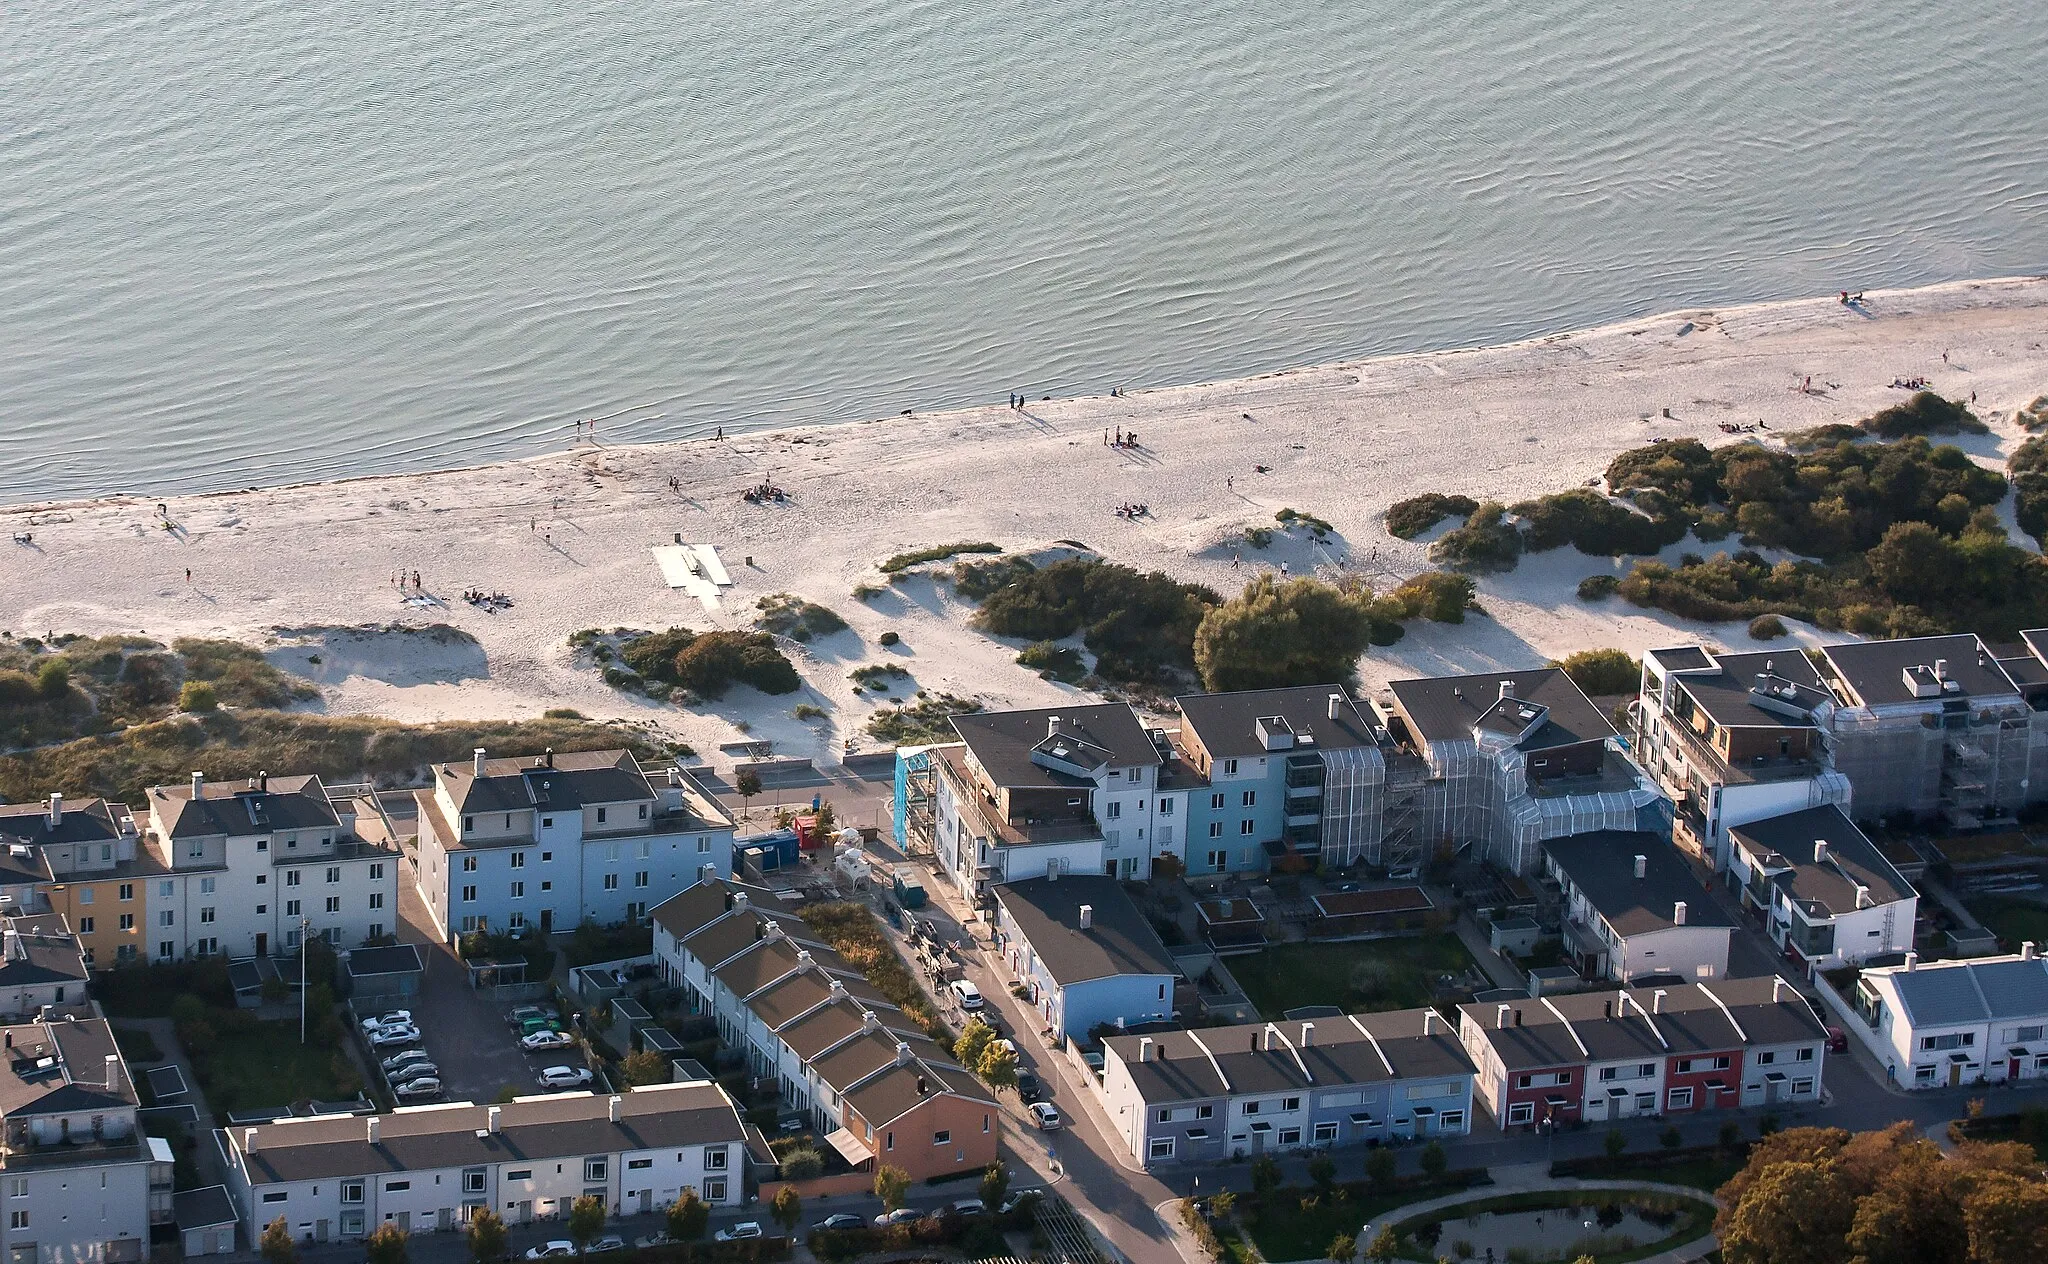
(79, 1150)
(1760, 769)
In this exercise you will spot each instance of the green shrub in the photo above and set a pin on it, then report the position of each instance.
(1258, 537)
(1293, 518)
(1924, 414)
(795, 618)
(1302, 632)
(976, 580)
(1054, 662)
(922, 722)
(1141, 627)
(1409, 518)
(1439, 596)
(1595, 525)
(706, 664)
(938, 553)
(1598, 587)
(2029, 468)
(1766, 627)
(889, 638)
(241, 676)
(1599, 673)
(197, 695)
(1485, 543)
(808, 711)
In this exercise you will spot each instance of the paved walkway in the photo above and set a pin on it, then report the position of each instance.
(1476, 943)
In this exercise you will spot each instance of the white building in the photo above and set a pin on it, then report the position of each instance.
(1085, 953)
(1825, 891)
(75, 1171)
(1634, 910)
(244, 865)
(41, 965)
(552, 841)
(428, 1168)
(1943, 1023)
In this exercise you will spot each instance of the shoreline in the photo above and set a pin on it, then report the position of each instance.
(1339, 441)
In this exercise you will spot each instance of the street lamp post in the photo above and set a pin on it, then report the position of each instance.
(303, 952)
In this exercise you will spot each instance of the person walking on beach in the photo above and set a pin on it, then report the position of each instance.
(188, 574)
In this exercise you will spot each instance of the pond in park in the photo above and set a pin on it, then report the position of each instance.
(1524, 1234)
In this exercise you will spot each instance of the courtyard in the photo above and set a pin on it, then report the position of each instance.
(1357, 975)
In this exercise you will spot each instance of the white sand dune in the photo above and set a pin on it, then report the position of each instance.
(568, 536)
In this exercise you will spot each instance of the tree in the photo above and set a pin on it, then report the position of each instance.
(1603, 672)
(891, 1184)
(486, 1237)
(1265, 1175)
(997, 1066)
(688, 1217)
(1434, 1160)
(1223, 1205)
(2007, 1219)
(386, 1245)
(1914, 563)
(1342, 1248)
(973, 1041)
(278, 1246)
(746, 786)
(1385, 1246)
(995, 1185)
(1616, 1143)
(1670, 1138)
(586, 1221)
(1302, 632)
(1791, 1213)
(1379, 1167)
(788, 1207)
(1322, 1172)
(643, 1068)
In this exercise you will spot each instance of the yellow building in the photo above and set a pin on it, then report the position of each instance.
(86, 867)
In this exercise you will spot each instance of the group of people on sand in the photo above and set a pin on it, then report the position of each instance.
(1910, 383)
(764, 493)
(407, 581)
(1124, 438)
(1132, 511)
(490, 603)
(1850, 300)
(1736, 427)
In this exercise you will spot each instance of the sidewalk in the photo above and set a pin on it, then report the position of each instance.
(1502, 974)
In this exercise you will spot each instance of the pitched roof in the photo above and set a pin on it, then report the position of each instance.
(40, 950)
(1104, 733)
(1448, 708)
(240, 808)
(898, 1090)
(55, 1068)
(1047, 912)
(1258, 1058)
(1602, 866)
(562, 782)
(1975, 990)
(1875, 671)
(86, 821)
(458, 1135)
(1825, 886)
(1228, 723)
(1687, 1019)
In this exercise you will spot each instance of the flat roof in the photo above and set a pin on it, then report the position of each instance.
(1874, 671)
(165, 1082)
(1448, 708)
(389, 959)
(1228, 723)
(1002, 741)
(1047, 912)
(1727, 698)
(1602, 866)
(1824, 885)
(206, 1208)
(1408, 899)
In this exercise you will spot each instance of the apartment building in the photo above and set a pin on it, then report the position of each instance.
(1511, 760)
(1602, 1056)
(77, 1177)
(245, 867)
(1059, 789)
(551, 841)
(1634, 911)
(428, 1168)
(840, 1053)
(1941, 1023)
(1281, 773)
(1823, 891)
(81, 861)
(42, 967)
(1734, 738)
(1230, 1092)
(1085, 953)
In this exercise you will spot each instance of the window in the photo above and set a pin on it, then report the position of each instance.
(1215, 829)
(714, 1159)
(546, 822)
(595, 1169)
(1229, 769)
(888, 1141)
(1161, 1148)
(273, 1195)
(127, 890)
(85, 926)
(127, 921)
(262, 879)
(600, 816)
(376, 930)
(376, 899)
(1114, 810)
(1767, 1057)
(1326, 1131)
(262, 844)
(195, 850)
(85, 895)
(640, 879)
(943, 1136)
(519, 890)
(611, 882)
(1250, 1108)
(1165, 1116)
(468, 924)
(1244, 827)
(469, 895)
(376, 871)
(547, 886)
(1803, 1055)
(291, 877)
(519, 860)
(167, 917)
(205, 915)
(516, 920)
(1687, 1066)
(714, 1190)
(1251, 797)
(1290, 1136)
(333, 874)
(1166, 807)
(519, 1174)
(703, 846)
(643, 815)
(2027, 1035)
(468, 824)
(1205, 1112)
(1292, 1103)
(1217, 859)
(351, 1191)
(1802, 1086)
(1923, 1075)
(546, 856)
(469, 864)
(1953, 1040)
(1451, 1120)
(634, 1165)
(291, 908)
(1681, 1099)
(262, 908)
(334, 904)
(18, 1187)
(1216, 801)
(165, 889)
(206, 886)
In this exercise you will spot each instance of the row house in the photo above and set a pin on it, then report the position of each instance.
(1733, 738)
(842, 1055)
(246, 867)
(82, 861)
(1085, 953)
(1601, 1056)
(77, 1177)
(1823, 891)
(1942, 1023)
(433, 1168)
(1192, 1096)
(1633, 911)
(42, 967)
(551, 841)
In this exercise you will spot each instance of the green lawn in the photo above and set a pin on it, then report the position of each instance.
(1288, 1226)
(1374, 974)
(2014, 921)
(1693, 1221)
(263, 1064)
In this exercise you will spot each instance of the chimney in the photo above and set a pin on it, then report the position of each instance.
(1642, 866)
(1657, 1001)
(1052, 726)
(1777, 988)
(547, 757)
(263, 780)
(1144, 1048)
(376, 1124)
(1820, 851)
(803, 957)
(248, 1141)
(113, 1080)
(56, 810)
(1308, 1034)
(923, 1086)
(1507, 689)
(869, 1021)
(838, 990)
(1678, 913)
(1941, 669)
(1863, 899)
(1429, 1022)
(494, 1118)
(739, 901)
(1500, 1017)
(1336, 702)
(1052, 871)
(1518, 1018)
(2028, 951)
(902, 1053)
(477, 758)
(617, 1107)
(1087, 917)
(706, 871)
(1912, 961)
(198, 783)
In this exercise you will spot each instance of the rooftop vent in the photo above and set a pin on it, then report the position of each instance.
(1642, 866)
(1087, 917)
(1677, 918)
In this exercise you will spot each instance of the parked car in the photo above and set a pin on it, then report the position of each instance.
(390, 1018)
(969, 1207)
(1047, 1117)
(551, 1250)
(966, 993)
(414, 1071)
(392, 1037)
(520, 1013)
(1007, 1045)
(841, 1221)
(609, 1242)
(658, 1238)
(1029, 1087)
(417, 1090)
(532, 1025)
(739, 1233)
(564, 1077)
(1838, 1040)
(1018, 1198)
(546, 1040)
(902, 1215)
(399, 1061)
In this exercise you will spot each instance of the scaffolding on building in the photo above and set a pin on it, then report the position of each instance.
(1353, 783)
(916, 801)
(1971, 767)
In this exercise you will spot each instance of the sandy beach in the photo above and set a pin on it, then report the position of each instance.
(567, 536)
